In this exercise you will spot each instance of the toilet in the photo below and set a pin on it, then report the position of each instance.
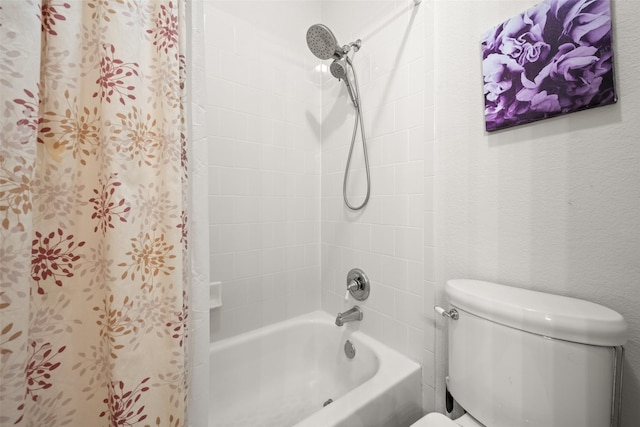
(521, 358)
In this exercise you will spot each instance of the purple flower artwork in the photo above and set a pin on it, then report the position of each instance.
(553, 59)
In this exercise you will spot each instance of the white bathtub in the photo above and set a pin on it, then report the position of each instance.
(281, 375)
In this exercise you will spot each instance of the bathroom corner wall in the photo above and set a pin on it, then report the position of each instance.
(554, 205)
(263, 106)
(392, 238)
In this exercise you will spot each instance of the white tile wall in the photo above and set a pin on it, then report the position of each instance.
(281, 239)
(263, 99)
(392, 240)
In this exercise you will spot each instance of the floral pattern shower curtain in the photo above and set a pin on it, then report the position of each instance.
(93, 254)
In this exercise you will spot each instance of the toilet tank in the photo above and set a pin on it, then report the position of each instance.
(524, 358)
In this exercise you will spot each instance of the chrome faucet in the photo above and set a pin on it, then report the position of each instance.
(349, 316)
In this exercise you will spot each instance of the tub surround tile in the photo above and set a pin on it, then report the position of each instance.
(279, 136)
(265, 152)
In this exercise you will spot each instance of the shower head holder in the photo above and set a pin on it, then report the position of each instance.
(356, 45)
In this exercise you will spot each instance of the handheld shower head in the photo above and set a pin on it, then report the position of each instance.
(338, 69)
(323, 43)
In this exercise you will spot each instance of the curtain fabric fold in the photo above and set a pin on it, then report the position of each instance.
(94, 272)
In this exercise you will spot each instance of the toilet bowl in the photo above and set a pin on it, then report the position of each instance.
(435, 419)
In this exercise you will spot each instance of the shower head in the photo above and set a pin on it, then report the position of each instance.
(323, 43)
(338, 69)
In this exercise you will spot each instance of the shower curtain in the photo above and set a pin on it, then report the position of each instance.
(94, 212)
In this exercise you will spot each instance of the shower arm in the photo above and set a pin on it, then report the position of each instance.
(356, 45)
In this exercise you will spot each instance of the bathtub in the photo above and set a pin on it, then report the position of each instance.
(282, 375)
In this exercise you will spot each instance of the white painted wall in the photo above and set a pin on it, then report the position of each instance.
(552, 206)
(263, 106)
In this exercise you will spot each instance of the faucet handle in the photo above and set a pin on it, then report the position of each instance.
(357, 285)
(352, 286)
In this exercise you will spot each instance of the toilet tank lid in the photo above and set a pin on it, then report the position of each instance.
(554, 316)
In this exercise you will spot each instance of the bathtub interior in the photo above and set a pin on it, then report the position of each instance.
(283, 373)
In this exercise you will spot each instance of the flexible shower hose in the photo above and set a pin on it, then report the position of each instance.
(355, 98)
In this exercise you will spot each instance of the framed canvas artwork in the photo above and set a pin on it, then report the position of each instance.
(555, 58)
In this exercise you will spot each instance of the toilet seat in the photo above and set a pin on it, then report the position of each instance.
(435, 419)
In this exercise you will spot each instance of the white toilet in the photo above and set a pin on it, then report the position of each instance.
(520, 358)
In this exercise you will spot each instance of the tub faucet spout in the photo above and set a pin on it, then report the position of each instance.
(349, 316)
